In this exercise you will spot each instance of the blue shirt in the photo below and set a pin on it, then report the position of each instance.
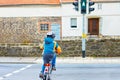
(49, 46)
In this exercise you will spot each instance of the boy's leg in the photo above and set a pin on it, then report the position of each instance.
(46, 59)
(54, 61)
(42, 71)
(43, 67)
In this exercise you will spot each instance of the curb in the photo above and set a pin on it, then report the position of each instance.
(38, 60)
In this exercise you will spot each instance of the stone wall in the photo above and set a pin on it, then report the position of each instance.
(23, 29)
(70, 48)
(20, 36)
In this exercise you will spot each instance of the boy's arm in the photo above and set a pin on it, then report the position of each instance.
(58, 49)
(41, 46)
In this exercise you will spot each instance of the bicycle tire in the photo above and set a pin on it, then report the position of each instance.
(51, 69)
(49, 79)
(46, 77)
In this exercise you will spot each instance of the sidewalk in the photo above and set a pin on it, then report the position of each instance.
(60, 60)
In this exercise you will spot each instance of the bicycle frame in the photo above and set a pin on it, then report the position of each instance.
(47, 71)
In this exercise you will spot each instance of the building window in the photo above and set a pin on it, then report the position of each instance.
(73, 22)
(99, 6)
(44, 27)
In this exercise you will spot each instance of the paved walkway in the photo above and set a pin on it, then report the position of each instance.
(60, 60)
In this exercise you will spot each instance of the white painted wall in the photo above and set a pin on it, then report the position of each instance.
(109, 14)
(29, 11)
(107, 9)
(109, 19)
(66, 27)
(69, 12)
(111, 25)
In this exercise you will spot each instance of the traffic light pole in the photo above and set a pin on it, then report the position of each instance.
(83, 37)
(84, 6)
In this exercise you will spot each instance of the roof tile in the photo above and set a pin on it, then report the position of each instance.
(12, 2)
(91, 0)
(15, 2)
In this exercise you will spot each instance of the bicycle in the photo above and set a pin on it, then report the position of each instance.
(47, 71)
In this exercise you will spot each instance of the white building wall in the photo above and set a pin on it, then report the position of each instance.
(66, 27)
(109, 14)
(106, 9)
(109, 18)
(29, 11)
(100, 9)
(68, 12)
(111, 25)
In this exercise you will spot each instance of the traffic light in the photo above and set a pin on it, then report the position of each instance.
(83, 6)
(76, 5)
(90, 9)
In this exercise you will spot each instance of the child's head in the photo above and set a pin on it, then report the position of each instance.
(51, 34)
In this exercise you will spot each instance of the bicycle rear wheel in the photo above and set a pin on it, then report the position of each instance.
(46, 77)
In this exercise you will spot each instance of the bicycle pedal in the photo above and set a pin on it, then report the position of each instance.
(49, 79)
(41, 75)
(54, 69)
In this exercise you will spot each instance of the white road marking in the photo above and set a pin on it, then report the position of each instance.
(22, 69)
(1, 78)
(14, 72)
(7, 75)
(28, 66)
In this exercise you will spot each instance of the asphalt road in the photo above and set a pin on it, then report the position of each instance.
(63, 72)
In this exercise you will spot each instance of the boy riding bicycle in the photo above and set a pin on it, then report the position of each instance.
(50, 48)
